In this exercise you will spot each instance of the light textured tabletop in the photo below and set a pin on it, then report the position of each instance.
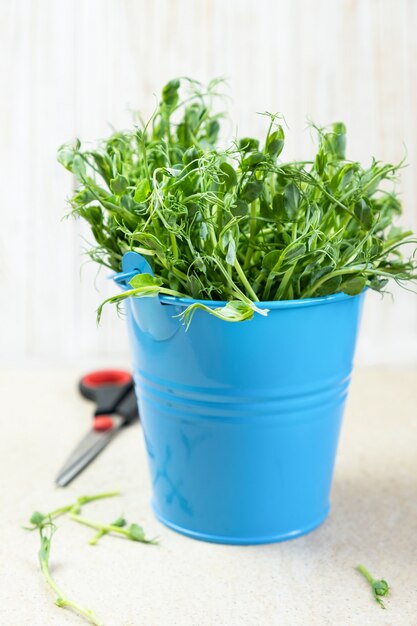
(307, 581)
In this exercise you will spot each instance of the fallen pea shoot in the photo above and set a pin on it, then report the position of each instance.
(380, 588)
(44, 523)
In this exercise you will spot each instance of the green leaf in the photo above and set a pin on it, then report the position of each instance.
(249, 144)
(65, 156)
(252, 191)
(120, 522)
(104, 165)
(204, 231)
(231, 252)
(364, 214)
(190, 156)
(170, 92)
(144, 280)
(394, 233)
(319, 272)
(271, 259)
(291, 201)
(227, 242)
(275, 143)
(329, 287)
(136, 532)
(320, 162)
(233, 311)
(160, 128)
(354, 286)
(142, 190)
(212, 130)
(278, 205)
(378, 284)
(253, 160)
(119, 185)
(193, 209)
(150, 241)
(229, 176)
(45, 548)
(240, 208)
(380, 587)
(194, 114)
(295, 251)
(78, 167)
(37, 518)
(336, 140)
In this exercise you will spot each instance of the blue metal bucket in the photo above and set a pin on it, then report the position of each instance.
(241, 420)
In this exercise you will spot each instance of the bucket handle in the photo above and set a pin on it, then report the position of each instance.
(132, 264)
(149, 314)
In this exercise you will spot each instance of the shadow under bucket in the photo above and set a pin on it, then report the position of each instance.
(241, 420)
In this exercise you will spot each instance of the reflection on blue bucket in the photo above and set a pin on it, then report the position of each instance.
(241, 420)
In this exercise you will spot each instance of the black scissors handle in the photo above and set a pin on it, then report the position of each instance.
(116, 406)
(112, 391)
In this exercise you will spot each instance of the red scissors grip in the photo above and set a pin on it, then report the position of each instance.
(107, 388)
(106, 377)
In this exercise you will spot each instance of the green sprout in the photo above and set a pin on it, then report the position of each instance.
(46, 531)
(134, 532)
(119, 522)
(380, 588)
(237, 224)
(38, 519)
(44, 523)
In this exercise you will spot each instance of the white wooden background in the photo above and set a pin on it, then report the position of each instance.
(70, 67)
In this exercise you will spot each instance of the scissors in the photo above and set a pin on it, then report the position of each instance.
(116, 407)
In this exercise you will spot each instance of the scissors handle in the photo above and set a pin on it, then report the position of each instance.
(128, 407)
(112, 391)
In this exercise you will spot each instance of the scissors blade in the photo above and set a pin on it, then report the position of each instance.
(86, 451)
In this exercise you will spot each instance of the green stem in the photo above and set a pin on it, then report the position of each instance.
(219, 218)
(107, 528)
(325, 278)
(335, 200)
(283, 285)
(119, 522)
(63, 602)
(365, 573)
(174, 245)
(79, 502)
(245, 281)
(376, 272)
(252, 232)
(294, 231)
(211, 228)
(98, 536)
(88, 614)
(268, 285)
(145, 159)
(179, 273)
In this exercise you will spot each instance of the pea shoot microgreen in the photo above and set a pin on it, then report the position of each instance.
(380, 588)
(46, 531)
(44, 523)
(134, 532)
(38, 519)
(237, 223)
(120, 522)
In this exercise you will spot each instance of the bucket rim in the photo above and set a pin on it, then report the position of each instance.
(266, 304)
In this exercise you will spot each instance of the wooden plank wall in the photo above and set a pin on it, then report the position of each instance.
(71, 67)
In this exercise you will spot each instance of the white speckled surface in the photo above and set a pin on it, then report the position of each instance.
(308, 581)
